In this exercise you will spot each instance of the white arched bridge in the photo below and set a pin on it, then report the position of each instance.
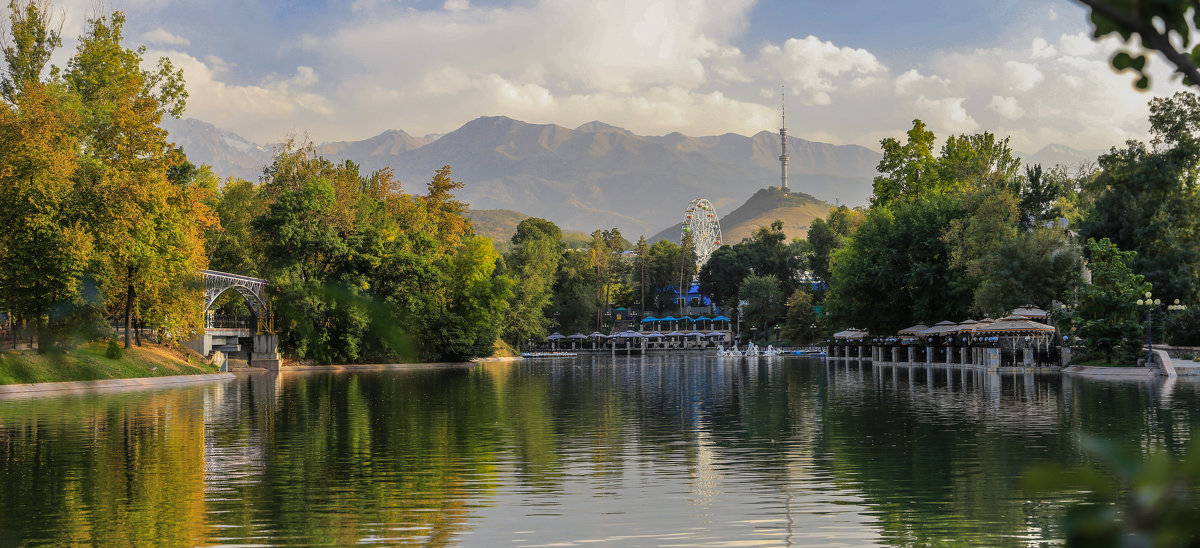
(260, 344)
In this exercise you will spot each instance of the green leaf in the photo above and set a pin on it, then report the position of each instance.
(1122, 61)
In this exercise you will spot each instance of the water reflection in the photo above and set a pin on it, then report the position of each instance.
(612, 449)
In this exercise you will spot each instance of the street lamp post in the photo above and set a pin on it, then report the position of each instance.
(1176, 307)
(1149, 303)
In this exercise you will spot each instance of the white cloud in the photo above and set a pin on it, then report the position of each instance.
(161, 36)
(912, 82)
(255, 111)
(813, 66)
(658, 67)
(1041, 49)
(946, 113)
(1007, 107)
(1021, 76)
(305, 77)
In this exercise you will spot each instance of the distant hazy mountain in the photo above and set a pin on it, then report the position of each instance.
(593, 176)
(1052, 155)
(229, 154)
(796, 209)
(389, 143)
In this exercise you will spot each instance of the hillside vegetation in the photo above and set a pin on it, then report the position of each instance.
(796, 209)
(501, 224)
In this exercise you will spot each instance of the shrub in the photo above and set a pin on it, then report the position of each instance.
(114, 350)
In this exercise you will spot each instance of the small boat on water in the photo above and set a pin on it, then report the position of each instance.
(548, 354)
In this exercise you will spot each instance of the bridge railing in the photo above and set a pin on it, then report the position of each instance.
(227, 321)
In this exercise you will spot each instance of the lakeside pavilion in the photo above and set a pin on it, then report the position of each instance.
(665, 333)
(1016, 340)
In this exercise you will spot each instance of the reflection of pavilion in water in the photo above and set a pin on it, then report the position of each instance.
(988, 396)
(714, 398)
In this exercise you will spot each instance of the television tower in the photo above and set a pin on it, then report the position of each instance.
(783, 158)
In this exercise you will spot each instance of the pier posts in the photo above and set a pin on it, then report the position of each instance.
(266, 352)
(928, 354)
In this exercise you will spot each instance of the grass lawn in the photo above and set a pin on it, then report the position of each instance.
(88, 363)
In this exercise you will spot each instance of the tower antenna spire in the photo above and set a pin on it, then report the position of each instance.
(783, 158)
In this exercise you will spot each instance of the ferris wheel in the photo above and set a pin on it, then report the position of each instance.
(701, 223)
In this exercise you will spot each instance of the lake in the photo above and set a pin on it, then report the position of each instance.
(667, 449)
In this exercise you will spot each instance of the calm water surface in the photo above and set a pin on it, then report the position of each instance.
(660, 450)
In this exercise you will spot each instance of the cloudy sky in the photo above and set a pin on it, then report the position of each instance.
(854, 70)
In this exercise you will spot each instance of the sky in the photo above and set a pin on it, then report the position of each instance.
(854, 71)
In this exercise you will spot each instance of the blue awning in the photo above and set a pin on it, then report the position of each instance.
(649, 319)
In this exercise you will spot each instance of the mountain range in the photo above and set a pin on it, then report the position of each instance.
(593, 176)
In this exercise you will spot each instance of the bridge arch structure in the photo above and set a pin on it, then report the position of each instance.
(264, 349)
(254, 290)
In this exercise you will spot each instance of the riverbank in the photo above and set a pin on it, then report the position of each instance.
(20, 391)
(394, 366)
(88, 363)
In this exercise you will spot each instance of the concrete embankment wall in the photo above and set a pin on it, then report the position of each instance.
(106, 385)
(1113, 373)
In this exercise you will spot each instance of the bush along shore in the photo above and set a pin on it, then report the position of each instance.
(95, 361)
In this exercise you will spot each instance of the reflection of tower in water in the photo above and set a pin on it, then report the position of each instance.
(706, 478)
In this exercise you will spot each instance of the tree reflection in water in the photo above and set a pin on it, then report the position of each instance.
(633, 450)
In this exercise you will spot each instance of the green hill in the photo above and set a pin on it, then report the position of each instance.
(796, 209)
(501, 224)
(497, 224)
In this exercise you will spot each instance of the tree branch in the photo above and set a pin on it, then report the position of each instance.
(1150, 36)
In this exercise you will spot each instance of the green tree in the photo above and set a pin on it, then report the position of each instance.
(1107, 316)
(1041, 195)
(896, 270)
(31, 40)
(639, 265)
(1036, 267)
(148, 232)
(231, 244)
(721, 276)
(532, 259)
(44, 249)
(802, 324)
(828, 236)
(765, 305)
(906, 169)
(306, 255)
(1145, 199)
(576, 295)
